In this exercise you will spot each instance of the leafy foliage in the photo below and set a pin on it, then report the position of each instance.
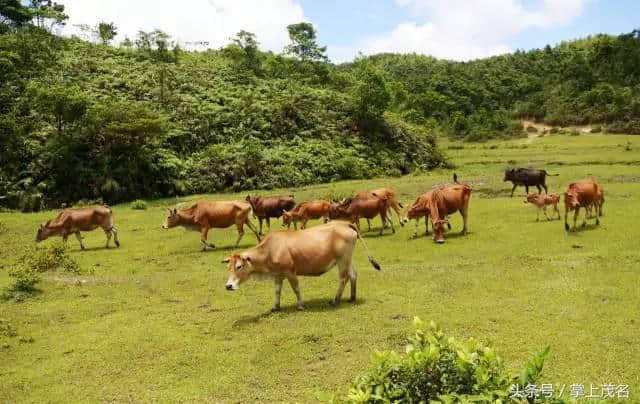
(437, 368)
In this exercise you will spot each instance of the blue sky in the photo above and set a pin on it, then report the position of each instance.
(451, 29)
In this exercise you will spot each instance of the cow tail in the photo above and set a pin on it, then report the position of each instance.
(372, 260)
(401, 207)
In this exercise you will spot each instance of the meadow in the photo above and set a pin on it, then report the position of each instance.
(152, 321)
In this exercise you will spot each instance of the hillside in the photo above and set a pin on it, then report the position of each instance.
(94, 122)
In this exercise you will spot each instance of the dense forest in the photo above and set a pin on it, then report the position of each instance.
(91, 120)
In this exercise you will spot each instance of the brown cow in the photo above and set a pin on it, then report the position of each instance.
(73, 221)
(305, 212)
(390, 194)
(202, 216)
(446, 201)
(599, 201)
(367, 207)
(418, 209)
(581, 195)
(310, 252)
(542, 201)
(268, 207)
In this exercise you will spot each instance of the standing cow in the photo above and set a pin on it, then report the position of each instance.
(264, 208)
(203, 216)
(446, 201)
(306, 211)
(310, 252)
(528, 177)
(582, 194)
(419, 209)
(392, 199)
(541, 202)
(73, 221)
(364, 206)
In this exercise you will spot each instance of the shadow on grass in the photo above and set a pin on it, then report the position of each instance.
(580, 228)
(310, 306)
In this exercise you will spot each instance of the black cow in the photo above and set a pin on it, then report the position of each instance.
(528, 177)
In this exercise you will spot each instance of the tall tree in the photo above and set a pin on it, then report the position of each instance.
(247, 45)
(303, 43)
(13, 12)
(106, 31)
(46, 11)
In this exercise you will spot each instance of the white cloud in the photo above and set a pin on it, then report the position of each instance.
(468, 29)
(214, 21)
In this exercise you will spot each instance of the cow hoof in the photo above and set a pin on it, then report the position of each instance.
(440, 241)
(117, 244)
(352, 300)
(300, 308)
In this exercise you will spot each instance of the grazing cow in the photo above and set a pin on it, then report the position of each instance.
(367, 207)
(419, 209)
(202, 216)
(310, 252)
(446, 201)
(268, 207)
(305, 212)
(390, 194)
(581, 195)
(73, 221)
(542, 201)
(528, 177)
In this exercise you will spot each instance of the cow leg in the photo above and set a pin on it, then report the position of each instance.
(597, 209)
(278, 284)
(575, 218)
(584, 222)
(526, 187)
(353, 276)
(108, 234)
(260, 226)
(369, 224)
(426, 225)
(240, 228)
(79, 237)
(268, 223)
(540, 189)
(114, 231)
(544, 209)
(293, 281)
(546, 191)
(538, 214)
(513, 189)
(383, 217)
(304, 223)
(203, 239)
(344, 276)
(464, 214)
(252, 227)
(415, 232)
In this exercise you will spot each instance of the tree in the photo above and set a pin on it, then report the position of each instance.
(12, 12)
(371, 95)
(303, 43)
(245, 42)
(106, 32)
(46, 10)
(156, 45)
(63, 105)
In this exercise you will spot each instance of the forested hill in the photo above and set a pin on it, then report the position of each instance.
(82, 120)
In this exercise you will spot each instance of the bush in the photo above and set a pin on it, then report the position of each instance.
(554, 131)
(25, 279)
(532, 129)
(139, 204)
(437, 367)
(596, 129)
(574, 132)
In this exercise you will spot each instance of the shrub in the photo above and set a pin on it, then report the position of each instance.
(437, 367)
(139, 204)
(596, 129)
(574, 132)
(25, 279)
(532, 129)
(554, 131)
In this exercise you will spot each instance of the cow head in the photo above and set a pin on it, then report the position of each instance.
(571, 199)
(531, 198)
(44, 232)
(508, 174)
(438, 230)
(338, 210)
(413, 212)
(240, 268)
(172, 219)
(286, 218)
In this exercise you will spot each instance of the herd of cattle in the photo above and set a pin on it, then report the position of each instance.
(313, 251)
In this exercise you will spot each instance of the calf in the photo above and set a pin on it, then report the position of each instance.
(362, 207)
(542, 201)
(310, 252)
(581, 194)
(73, 221)
(446, 201)
(393, 203)
(264, 208)
(527, 177)
(420, 208)
(203, 216)
(305, 212)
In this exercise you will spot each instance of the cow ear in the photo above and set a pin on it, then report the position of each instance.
(175, 211)
(226, 260)
(247, 258)
(248, 198)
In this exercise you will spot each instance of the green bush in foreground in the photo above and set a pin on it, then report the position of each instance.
(437, 368)
(139, 204)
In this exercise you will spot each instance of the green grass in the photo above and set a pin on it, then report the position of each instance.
(153, 322)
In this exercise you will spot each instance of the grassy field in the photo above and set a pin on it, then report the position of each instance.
(153, 322)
